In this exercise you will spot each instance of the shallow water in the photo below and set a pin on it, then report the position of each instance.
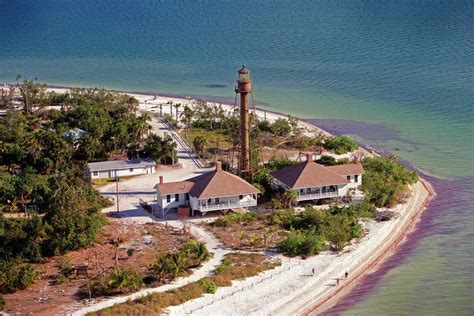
(398, 75)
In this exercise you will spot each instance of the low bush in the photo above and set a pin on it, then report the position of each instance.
(169, 265)
(340, 144)
(123, 280)
(240, 218)
(65, 266)
(386, 181)
(208, 285)
(15, 275)
(302, 242)
(384, 216)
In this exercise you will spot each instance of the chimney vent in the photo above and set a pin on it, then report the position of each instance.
(218, 165)
(161, 179)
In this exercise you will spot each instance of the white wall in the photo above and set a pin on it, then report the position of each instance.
(107, 174)
(354, 184)
(173, 203)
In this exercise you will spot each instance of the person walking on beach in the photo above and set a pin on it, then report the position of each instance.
(313, 271)
(346, 275)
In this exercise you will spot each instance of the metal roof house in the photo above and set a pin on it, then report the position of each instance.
(312, 181)
(216, 190)
(120, 168)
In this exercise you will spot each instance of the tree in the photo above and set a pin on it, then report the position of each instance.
(289, 197)
(385, 180)
(281, 127)
(162, 150)
(340, 144)
(177, 106)
(199, 143)
(125, 280)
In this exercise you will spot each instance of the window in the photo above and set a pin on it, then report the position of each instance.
(187, 196)
(349, 178)
(176, 197)
(96, 173)
(356, 178)
(308, 190)
(241, 197)
(131, 169)
(168, 198)
(217, 200)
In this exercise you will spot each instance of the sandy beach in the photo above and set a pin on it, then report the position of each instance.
(291, 288)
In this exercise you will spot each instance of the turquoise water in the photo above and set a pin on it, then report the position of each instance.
(398, 75)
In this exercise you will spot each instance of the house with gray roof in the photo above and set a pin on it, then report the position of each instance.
(121, 168)
(217, 190)
(312, 181)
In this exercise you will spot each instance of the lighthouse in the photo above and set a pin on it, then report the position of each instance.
(244, 88)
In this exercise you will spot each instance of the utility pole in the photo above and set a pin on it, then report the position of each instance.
(117, 179)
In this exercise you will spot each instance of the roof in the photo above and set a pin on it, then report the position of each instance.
(175, 187)
(348, 169)
(308, 174)
(120, 164)
(217, 183)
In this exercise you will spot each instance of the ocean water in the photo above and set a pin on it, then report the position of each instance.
(397, 75)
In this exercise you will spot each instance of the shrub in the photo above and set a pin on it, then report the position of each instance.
(65, 266)
(281, 127)
(302, 242)
(130, 252)
(208, 285)
(285, 219)
(15, 275)
(340, 144)
(386, 181)
(240, 218)
(124, 280)
(327, 160)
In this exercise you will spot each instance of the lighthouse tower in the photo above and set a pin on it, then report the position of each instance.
(244, 88)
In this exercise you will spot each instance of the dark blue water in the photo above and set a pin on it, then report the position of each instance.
(398, 75)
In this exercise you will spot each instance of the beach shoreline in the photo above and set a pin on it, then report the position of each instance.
(310, 304)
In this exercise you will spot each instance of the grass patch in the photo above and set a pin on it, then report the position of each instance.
(212, 136)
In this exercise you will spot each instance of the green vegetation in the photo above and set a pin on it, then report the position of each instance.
(331, 161)
(15, 275)
(339, 144)
(241, 218)
(302, 242)
(43, 155)
(119, 281)
(167, 266)
(386, 181)
(311, 229)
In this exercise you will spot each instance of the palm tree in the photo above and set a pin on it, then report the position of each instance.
(199, 142)
(289, 196)
(177, 106)
(171, 108)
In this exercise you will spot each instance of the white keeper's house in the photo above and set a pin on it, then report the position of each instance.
(312, 181)
(121, 168)
(216, 190)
